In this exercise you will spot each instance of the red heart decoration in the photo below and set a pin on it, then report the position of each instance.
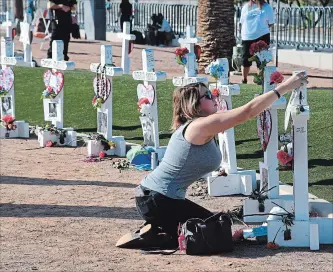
(6, 78)
(264, 125)
(146, 92)
(55, 80)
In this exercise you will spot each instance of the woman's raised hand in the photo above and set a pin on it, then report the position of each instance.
(294, 82)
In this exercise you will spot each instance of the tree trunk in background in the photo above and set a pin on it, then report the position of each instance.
(216, 28)
(18, 9)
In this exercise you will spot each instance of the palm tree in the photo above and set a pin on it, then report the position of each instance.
(216, 27)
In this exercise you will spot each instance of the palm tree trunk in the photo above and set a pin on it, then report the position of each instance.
(216, 28)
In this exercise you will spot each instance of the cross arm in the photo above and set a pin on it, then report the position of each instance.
(182, 81)
(109, 71)
(126, 36)
(189, 40)
(59, 65)
(149, 76)
(13, 61)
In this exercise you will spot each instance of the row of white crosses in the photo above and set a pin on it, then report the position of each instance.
(237, 181)
(149, 77)
(104, 114)
(54, 107)
(190, 76)
(269, 169)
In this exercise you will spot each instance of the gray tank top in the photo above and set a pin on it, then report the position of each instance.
(182, 164)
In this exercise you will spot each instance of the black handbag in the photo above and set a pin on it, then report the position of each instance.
(210, 236)
(203, 237)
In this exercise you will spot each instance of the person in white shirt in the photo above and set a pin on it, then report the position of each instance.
(164, 32)
(256, 19)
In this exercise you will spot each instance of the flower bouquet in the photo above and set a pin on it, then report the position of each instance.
(215, 70)
(49, 93)
(181, 55)
(261, 55)
(216, 92)
(97, 102)
(8, 122)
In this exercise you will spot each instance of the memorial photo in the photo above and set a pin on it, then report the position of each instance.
(263, 176)
(6, 105)
(147, 130)
(53, 110)
(102, 122)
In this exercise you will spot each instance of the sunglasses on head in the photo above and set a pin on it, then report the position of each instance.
(208, 95)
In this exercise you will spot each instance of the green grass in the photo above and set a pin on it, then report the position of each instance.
(80, 114)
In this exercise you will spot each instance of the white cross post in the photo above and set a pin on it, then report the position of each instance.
(57, 63)
(271, 163)
(150, 77)
(190, 75)
(95, 147)
(126, 37)
(26, 32)
(237, 181)
(8, 59)
(304, 231)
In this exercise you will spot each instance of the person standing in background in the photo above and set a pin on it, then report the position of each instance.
(18, 13)
(62, 23)
(125, 13)
(256, 19)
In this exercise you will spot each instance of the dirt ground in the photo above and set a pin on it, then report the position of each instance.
(59, 213)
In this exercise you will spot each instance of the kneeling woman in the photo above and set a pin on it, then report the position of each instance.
(191, 153)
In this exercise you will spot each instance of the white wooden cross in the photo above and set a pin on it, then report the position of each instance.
(237, 181)
(56, 63)
(305, 231)
(150, 77)
(270, 166)
(8, 100)
(270, 158)
(190, 71)
(126, 37)
(190, 40)
(26, 32)
(106, 109)
(300, 114)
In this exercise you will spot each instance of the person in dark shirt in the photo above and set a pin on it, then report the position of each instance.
(61, 23)
(125, 13)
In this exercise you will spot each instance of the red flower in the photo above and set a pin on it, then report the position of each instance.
(49, 89)
(284, 157)
(8, 119)
(49, 144)
(143, 100)
(272, 245)
(216, 92)
(181, 52)
(101, 155)
(276, 78)
(94, 100)
(258, 46)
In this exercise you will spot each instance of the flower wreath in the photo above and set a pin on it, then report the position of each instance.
(181, 55)
(97, 101)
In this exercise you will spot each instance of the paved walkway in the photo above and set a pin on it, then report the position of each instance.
(84, 52)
